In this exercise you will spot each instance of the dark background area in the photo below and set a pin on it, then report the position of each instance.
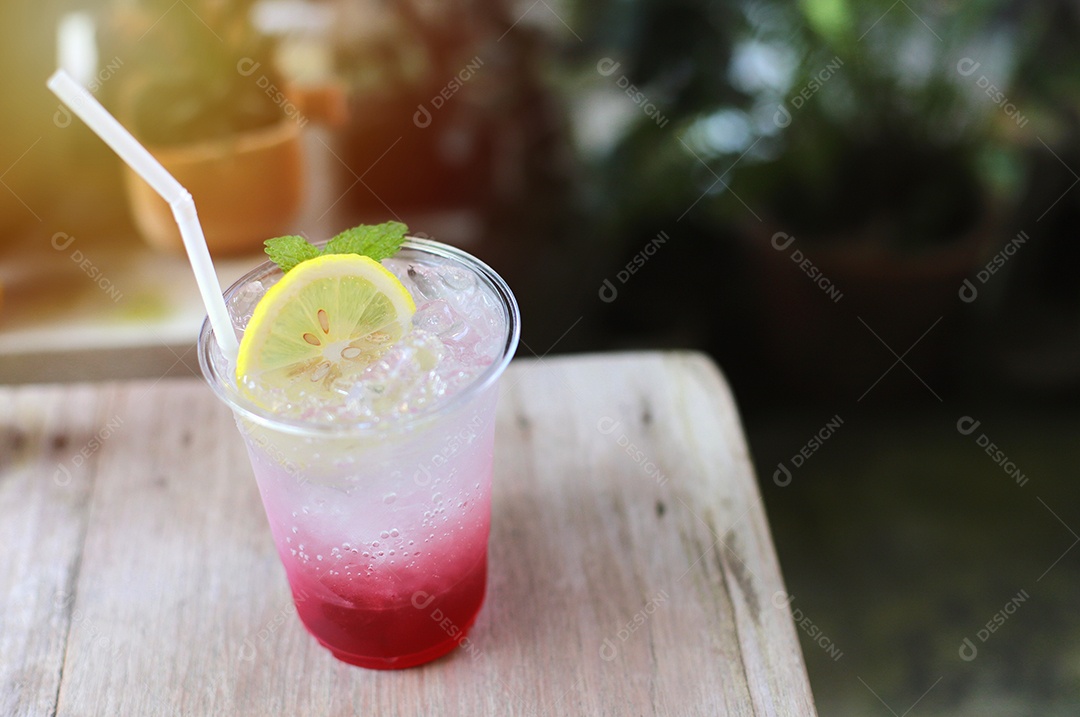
(863, 211)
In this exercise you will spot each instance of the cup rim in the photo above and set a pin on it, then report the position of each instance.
(242, 407)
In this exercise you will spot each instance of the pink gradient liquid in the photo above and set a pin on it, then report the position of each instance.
(388, 570)
(373, 632)
(378, 491)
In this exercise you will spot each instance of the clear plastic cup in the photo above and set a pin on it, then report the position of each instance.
(383, 531)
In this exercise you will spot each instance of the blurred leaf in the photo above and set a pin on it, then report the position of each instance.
(829, 18)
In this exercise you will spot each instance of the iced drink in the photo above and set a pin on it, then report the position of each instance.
(378, 492)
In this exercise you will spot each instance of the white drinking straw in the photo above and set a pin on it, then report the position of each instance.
(86, 106)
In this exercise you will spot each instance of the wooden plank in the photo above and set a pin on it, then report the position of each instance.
(48, 439)
(631, 567)
(174, 564)
(640, 502)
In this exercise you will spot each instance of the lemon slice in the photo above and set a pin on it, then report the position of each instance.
(327, 318)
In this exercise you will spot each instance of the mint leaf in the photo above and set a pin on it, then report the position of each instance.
(379, 241)
(289, 251)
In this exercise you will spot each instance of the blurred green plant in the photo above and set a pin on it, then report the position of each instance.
(198, 70)
(854, 123)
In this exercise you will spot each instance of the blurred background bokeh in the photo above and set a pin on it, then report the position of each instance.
(863, 211)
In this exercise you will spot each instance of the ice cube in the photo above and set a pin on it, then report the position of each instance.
(457, 279)
(435, 317)
(242, 303)
(456, 332)
(425, 281)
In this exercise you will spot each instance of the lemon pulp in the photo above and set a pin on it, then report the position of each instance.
(328, 318)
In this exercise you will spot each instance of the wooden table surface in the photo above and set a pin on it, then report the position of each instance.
(632, 571)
